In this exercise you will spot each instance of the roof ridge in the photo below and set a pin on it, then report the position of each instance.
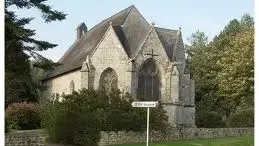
(179, 36)
(173, 37)
(100, 40)
(166, 28)
(130, 7)
(143, 42)
(132, 36)
(133, 6)
(68, 50)
(77, 41)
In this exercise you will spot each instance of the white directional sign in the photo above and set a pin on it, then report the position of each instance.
(144, 104)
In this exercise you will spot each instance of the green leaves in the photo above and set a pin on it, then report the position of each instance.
(223, 69)
(242, 118)
(237, 68)
(20, 46)
(48, 14)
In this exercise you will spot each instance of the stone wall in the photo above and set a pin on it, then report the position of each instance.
(61, 83)
(38, 138)
(173, 134)
(25, 138)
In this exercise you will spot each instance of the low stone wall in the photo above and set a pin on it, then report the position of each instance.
(38, 138)
(172, 134)
(25, 138)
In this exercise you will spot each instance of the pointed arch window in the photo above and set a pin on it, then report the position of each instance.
(108, 80)
(148, 81)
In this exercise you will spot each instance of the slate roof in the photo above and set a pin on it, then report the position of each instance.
(168, 39)
(131, 29)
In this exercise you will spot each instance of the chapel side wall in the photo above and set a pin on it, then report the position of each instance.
(61, 83)
(110, 53)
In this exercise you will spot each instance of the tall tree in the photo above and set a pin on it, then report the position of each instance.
(20, 46)
(236, 77)
(223, 68)
(202, 71)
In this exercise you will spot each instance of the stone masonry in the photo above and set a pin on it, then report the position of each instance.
(113, 138)
(121, 43)
(26, 138)
(38, 138)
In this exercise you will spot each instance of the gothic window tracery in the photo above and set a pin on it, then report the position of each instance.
(108, 80)
(148, 81)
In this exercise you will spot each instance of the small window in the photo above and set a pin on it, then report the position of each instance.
(71, 87)
(108, 80)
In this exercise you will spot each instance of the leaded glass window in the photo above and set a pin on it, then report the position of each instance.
(148, 81)
(108, 80)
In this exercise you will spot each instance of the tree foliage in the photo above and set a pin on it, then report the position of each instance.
(23, 116)
(20, 45)
(90, 111)
(223, 69)
(236, 77)
(209, 120)
(242, 118)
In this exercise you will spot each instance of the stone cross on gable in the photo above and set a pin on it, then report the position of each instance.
(152, 54)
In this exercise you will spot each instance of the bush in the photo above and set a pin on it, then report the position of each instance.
(6, 128)
(243, 118)
(74, 120)
(121, 116)
(80, 117)
(158, 119)
(23, 116)
(209, 120)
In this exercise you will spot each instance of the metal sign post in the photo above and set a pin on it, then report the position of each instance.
(147, 124)
(146, 104)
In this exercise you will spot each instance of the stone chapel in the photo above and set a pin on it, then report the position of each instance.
(125, 52)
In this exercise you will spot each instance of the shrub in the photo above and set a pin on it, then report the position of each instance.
(243, 118)
(80, 117)
(121, 116)
(209, 120)
(23, 116)
(6, 128)
(74, 120)
(158, 119)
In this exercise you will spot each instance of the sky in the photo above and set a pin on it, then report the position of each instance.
(207, 16)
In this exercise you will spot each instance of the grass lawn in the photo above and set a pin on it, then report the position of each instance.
(229, 141)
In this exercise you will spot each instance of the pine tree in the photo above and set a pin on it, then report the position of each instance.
(20, 46)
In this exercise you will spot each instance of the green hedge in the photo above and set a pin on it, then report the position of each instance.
(209, 120)
(6, 128)
(74, 120)
(22, 116)
(80, 117)
(243, 118)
